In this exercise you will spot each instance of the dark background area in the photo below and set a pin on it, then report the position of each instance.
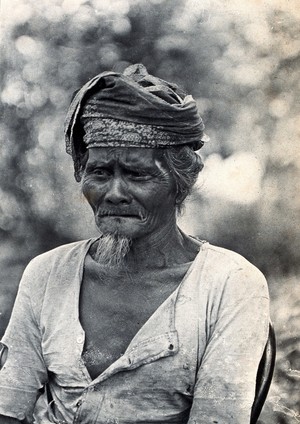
(241, 63)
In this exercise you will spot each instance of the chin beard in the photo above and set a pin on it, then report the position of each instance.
(112, 250)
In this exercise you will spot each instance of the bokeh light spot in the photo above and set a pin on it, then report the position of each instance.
(13, 93)
(121, 26)
(28, 46)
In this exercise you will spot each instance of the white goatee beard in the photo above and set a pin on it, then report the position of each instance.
(112, 250)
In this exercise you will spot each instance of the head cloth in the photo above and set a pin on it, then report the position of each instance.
(133, 109)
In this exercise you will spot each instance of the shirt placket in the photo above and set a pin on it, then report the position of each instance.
(91, 405)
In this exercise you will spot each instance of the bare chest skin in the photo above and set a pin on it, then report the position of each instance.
(113, 307)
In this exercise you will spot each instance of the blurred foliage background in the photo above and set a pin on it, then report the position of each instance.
(240, 60)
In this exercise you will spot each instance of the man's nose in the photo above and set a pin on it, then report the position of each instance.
(117, 192)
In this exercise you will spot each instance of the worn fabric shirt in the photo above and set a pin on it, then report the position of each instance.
(194, 361)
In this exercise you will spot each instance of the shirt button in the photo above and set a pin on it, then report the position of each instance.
(80, 339)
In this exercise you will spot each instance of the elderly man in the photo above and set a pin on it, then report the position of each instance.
(143, 324)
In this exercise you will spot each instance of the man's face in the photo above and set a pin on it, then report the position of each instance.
(130, 191)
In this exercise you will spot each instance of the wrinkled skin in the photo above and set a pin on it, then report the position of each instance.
(130, 191)
(132, 194)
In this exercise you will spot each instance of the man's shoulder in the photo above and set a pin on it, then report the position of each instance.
(64, 254)
(231, 268)
(229, 256)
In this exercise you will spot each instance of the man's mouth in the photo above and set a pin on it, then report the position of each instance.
(120, 214)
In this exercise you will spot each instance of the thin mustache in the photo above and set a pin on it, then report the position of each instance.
(105, 212)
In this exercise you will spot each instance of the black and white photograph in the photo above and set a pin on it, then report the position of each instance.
(149, 212)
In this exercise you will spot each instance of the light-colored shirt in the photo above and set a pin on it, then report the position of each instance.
(194, 361)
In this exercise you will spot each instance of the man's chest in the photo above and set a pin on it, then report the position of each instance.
(114, 308)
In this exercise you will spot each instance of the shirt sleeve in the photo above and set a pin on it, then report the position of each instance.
(24, 371)
(225, 386)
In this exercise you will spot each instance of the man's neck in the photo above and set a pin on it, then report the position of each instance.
(164, 249)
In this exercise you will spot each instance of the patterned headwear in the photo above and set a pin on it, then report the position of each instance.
(133, 109)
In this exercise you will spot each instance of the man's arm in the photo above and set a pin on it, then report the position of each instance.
(3, 357)
(224, 391)
(24, 371)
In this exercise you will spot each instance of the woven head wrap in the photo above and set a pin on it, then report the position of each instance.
(133, 109)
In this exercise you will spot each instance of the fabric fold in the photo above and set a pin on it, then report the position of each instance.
(159, 113)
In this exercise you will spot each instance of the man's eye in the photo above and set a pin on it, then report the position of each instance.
(101, 172)
(136, 175)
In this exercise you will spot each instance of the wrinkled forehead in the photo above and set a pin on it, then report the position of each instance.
(127, 156)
